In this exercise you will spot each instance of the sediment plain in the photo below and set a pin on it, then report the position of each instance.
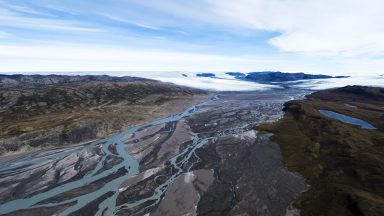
(206, 160)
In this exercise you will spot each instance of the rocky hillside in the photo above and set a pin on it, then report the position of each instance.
(352, 93)
(45, 110)
(343, 163)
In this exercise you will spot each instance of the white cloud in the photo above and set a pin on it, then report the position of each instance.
(335, 83)
(13, 19)
(75, 57)
(327, 27)
(80, 57)
(81, 52)
(325, 36)
(25, 9)
(4, 34)
(125, 20)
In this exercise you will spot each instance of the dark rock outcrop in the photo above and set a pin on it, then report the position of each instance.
(271, 76)
(236, 74)
(205, 75)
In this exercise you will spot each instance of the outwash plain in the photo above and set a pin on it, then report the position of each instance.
(171, 150)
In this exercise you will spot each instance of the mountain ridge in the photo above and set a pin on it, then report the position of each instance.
(40, 110)
(277, 76)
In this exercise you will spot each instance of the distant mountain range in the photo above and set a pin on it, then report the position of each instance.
(206, 75)
(277, 76)
(53, 79)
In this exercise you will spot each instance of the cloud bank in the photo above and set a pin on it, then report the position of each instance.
(331, 37)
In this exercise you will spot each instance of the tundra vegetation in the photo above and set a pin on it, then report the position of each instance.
(50, 110)
(343, 163)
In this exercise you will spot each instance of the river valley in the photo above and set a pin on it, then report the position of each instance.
(207, 160)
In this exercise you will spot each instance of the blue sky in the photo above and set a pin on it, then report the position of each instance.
(317, 36)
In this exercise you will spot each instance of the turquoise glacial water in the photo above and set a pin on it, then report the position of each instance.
(347, 119)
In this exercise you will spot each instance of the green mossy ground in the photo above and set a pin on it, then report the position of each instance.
(343, 164)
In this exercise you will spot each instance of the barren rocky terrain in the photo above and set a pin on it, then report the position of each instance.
(206, 160)
(49, 110)
(231, 153)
